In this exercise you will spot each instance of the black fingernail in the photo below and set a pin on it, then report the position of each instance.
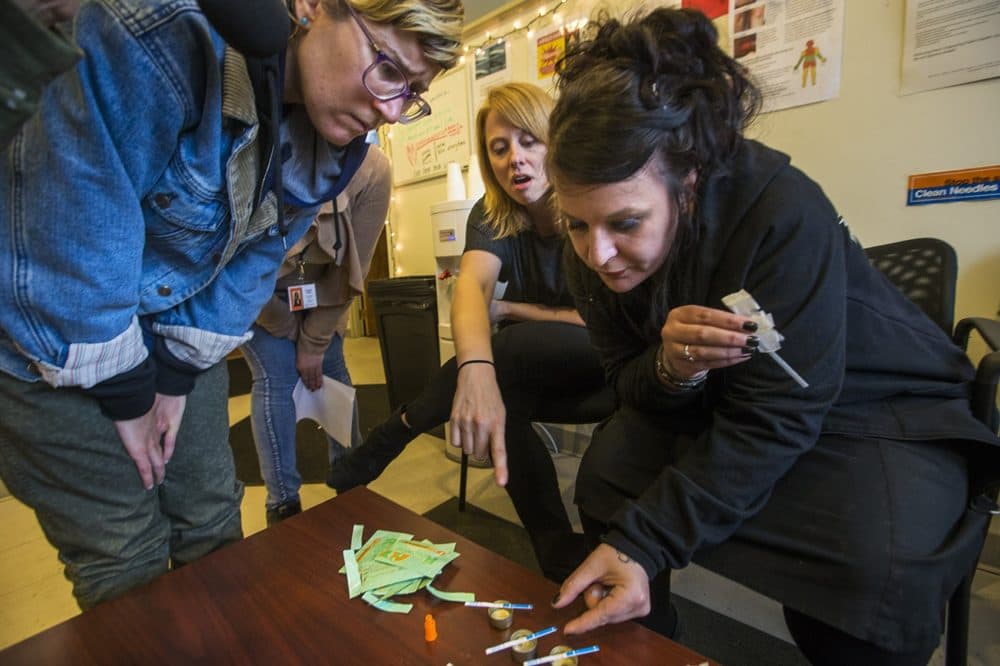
(752, 341)
(747, 351)
(750, 326)
(555, 599)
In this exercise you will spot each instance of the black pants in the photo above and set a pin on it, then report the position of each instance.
(864, 537)
(544, 370)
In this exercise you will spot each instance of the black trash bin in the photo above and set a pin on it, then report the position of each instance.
(406, 320)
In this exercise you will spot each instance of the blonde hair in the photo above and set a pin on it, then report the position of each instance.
(437, 23)
(525, 106)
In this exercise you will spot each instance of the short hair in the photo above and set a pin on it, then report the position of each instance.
(525, 106)
(437, 23)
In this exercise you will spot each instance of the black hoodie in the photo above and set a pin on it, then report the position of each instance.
(876, 365)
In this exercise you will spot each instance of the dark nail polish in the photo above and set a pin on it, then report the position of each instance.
(748, 350)
(753, 341)
(750, 326)
(555, 599)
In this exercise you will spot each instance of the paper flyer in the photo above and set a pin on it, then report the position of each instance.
(793, 48)
(492, 69)
(332, 407)
(949, 43)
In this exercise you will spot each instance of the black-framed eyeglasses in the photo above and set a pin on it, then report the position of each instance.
(385, 80)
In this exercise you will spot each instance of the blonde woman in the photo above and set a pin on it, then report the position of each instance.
(497, 384)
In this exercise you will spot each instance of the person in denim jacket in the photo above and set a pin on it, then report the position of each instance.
(136, 253)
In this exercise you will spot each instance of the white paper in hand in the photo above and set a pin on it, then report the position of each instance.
(332, 406)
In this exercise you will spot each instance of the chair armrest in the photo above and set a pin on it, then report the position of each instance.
(984, 391)
(984, 394)
(989, 329)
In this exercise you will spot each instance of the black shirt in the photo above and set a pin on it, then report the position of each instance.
(530, 264)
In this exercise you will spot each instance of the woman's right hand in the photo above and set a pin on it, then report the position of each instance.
(697, 339)
(615, 588)
(142, 438)
(478, 417)
(310, 369)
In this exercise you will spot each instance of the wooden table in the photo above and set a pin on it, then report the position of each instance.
(276, 597)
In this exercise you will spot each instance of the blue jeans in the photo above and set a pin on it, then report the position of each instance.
(63, 458)
(272, 412)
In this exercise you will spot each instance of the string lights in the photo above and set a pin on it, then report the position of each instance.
(527, 27)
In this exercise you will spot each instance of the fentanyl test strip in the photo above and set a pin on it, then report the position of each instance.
(522, 639)
(743, 304)
(494, 604)
(563, 655)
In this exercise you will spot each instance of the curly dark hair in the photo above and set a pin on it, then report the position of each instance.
(653, 84)
(657, 82)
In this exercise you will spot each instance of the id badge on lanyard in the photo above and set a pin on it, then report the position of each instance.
(302, 296)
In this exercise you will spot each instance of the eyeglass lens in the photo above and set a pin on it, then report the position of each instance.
(386, 81)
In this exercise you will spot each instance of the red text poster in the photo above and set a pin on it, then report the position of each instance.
(550, 48)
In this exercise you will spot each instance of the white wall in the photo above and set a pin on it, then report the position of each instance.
(410, 219)
(860, 147)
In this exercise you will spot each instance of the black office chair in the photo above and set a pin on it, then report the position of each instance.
(984, 407)
(592, 408)
(925, 270)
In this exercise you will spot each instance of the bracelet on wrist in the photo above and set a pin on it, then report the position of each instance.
(474, 360)
(679, 384)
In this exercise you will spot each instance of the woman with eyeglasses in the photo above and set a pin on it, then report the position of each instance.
(835, 482)
(496, 386)
(142, 233)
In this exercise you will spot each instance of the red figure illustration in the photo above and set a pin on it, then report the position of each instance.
(808, 62)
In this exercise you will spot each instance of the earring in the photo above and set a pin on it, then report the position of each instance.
(304, 21)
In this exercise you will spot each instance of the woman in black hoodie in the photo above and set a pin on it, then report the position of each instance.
(844, 498)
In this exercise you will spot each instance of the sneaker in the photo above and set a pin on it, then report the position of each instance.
(283, 511)
(361, 466)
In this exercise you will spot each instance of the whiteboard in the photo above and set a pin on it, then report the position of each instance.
(423, 149)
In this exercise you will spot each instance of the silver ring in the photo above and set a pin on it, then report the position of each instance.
(687, 354)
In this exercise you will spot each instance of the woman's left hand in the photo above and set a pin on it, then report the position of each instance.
(498, 310)
(615, 589)
(310, 368)
(697, 339)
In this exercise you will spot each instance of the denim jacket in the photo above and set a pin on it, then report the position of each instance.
(127, 205)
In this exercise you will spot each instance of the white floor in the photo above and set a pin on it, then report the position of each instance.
(34, 595)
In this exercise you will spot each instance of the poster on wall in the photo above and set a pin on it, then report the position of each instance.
(492, 69)
(957, 185)
(793, 48)
(549, 49)
(944, 46)
(423, 149)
